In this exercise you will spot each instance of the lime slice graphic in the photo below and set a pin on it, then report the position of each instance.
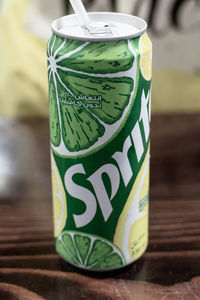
(89, 251)
(55, 133)
(131, 231)
(91, 90)
(102, 59)
(59, 200)
(145, 48)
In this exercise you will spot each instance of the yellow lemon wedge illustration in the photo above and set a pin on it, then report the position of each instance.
(59, 200)
(145, 49)
(131, 234)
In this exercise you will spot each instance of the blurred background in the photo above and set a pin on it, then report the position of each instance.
(27, 251)
(174, 28)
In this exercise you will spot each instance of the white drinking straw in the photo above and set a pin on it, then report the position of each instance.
(80, 11)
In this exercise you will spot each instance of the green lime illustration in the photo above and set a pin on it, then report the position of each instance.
(91, 90)
(89, 251)
(102, 58)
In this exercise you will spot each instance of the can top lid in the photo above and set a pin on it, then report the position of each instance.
(103, 27)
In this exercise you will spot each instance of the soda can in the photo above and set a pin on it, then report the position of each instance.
(100, 102)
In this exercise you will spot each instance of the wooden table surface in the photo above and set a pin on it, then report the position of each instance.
(29, 266)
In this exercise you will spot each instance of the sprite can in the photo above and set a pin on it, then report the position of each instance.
(100, 102)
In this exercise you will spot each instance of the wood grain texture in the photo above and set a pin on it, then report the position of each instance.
(29, 265)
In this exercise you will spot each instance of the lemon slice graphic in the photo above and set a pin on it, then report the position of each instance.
(131, 234)
(145, 48)
(59, 200)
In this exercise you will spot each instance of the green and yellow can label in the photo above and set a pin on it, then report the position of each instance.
(100, 102)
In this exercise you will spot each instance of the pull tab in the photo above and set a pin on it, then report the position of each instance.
(100, 28)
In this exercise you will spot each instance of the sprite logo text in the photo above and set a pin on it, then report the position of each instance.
(113, 171)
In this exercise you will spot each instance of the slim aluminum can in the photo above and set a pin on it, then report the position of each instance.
(100, 102)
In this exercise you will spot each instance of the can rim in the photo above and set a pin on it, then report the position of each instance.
(138, 22)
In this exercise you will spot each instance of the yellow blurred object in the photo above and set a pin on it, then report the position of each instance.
(23, 78)
(23, 71)
(175, 91)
